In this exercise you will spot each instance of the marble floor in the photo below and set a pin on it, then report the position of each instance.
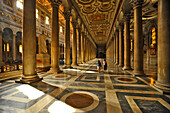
(83, 90)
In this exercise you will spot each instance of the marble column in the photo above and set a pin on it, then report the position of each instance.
(55, 48)
(163, 80)
(82, 48)
(85, 45)
(29, 51)
(14, 47)
(127, 65)
(88, 49)
(1, 62)
(117, 47)
(67, 40)
(114, 49)
(121, 45)
(74, 45)
(1, 46)
(138, 38)
(79, 45)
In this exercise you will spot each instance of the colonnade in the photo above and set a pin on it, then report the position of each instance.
(85, 47)
(115, 49)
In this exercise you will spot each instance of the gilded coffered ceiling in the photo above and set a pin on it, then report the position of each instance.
(98, 15)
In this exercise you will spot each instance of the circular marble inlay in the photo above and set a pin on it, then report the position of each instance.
(81, 100)
(125, 79)
(62, 76)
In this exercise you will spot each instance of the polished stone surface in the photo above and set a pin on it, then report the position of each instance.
(83, 89)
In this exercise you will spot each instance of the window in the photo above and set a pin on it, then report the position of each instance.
(47, 20)
(131, 45)
(4, 48)
(37, 13)
(19, 4)
(8, 47)
(153, 37)
(20, 48)
(61, 29)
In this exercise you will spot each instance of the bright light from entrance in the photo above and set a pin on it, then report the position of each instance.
(30, 92)
(72, 69)
(60, 107)
(90, 72)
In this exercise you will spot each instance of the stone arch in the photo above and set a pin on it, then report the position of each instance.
(74, 14)
(120, 18)
(7, 45)
(67, 4)
(79, 21)
(151, 59)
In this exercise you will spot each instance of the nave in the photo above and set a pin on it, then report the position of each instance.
(83, 89)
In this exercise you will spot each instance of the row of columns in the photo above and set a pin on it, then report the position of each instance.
(163, 77)
(29, 51)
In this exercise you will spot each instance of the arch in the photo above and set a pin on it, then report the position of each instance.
(7, 45)
(74, 15)
(79, 22)
(7, 34)
(67, 4)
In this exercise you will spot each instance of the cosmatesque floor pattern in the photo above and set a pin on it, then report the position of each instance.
(83, 90)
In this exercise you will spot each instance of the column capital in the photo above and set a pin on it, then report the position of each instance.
(67, 14)
(136, 3)
(82, 32)
(117, 30)
(127, 17)
(121, 26)
(14, 35)
(79, 29)
(74, 24)
(56, 3)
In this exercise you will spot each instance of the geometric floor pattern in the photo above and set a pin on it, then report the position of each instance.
(83, 90)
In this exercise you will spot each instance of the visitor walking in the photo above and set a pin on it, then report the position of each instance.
(98, 66)
(104, 65)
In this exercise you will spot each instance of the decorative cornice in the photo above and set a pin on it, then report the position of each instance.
(136, 3)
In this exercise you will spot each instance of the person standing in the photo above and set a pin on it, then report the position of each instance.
(98, 66)
(104, 65)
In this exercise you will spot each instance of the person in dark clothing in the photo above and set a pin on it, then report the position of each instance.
(104, 65)
(98, 66)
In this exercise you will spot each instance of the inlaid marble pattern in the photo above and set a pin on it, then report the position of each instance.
(83, 91)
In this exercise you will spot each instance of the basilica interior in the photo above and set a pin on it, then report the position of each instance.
(50, 49)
